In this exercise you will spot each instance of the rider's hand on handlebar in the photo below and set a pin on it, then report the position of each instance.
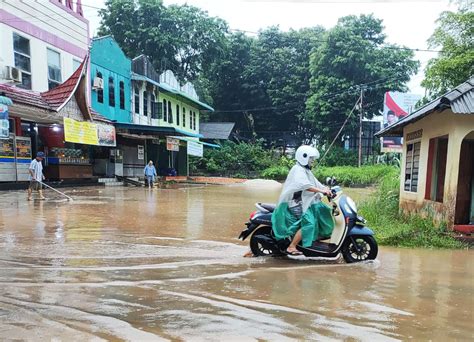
(327, 192)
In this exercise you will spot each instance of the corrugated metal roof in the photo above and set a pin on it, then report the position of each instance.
(216, 130)
(460, 100)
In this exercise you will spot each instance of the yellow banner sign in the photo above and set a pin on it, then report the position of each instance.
(88, 133)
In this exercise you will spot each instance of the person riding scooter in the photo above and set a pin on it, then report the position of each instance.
(300, 213)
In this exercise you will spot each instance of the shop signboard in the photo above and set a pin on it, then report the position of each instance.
(172, 144)
(106, 135)
(396, 106)
(195, 149)
(89, 133)
(141, 152)
(4, 123)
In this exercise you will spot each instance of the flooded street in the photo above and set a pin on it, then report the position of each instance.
(133, 264)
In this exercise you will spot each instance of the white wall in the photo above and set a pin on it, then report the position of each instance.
(54, 27)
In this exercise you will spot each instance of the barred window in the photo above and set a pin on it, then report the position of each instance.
(412, 164)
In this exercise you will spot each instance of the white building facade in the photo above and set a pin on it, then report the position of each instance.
(42, 42)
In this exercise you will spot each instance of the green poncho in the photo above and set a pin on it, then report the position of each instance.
(316, 220)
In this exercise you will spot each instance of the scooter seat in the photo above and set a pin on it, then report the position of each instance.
(267, 206)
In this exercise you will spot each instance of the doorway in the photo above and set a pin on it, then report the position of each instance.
(465, 194)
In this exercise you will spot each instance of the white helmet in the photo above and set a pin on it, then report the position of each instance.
(306, 154)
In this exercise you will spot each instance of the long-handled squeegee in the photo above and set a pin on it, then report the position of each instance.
(59, 192)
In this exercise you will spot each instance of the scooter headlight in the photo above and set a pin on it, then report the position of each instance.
(351, 205)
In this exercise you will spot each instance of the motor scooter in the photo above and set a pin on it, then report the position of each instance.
(350, 237)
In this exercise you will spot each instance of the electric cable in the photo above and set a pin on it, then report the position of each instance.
(340, 130)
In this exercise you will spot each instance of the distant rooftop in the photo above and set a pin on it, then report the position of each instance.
(216, 130)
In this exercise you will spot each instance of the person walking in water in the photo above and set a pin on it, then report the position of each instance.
(150, 173)
(36, 176)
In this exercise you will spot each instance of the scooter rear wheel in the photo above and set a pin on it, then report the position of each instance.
(359, 248)
(257, 248)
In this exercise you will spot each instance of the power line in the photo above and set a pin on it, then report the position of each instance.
(384, 46)
(353, 89)
(342, 127)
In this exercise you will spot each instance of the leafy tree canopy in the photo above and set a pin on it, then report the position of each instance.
(454, 34)
(262, 83)
(354, 56)
(182, 38)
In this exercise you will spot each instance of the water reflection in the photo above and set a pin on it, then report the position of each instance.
(127, 263)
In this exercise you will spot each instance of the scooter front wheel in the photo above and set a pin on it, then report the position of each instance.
(359, 248)
(259, 249)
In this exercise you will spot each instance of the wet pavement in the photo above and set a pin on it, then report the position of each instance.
(133, 264)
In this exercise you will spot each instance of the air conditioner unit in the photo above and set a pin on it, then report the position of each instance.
(13, 74)
(98, 84)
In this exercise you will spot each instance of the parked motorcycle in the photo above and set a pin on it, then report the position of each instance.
(350, 236)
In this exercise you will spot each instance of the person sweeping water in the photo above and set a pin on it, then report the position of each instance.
(300, 212)
(36, 176)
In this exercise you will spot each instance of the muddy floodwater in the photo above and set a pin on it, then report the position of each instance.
(132, 264)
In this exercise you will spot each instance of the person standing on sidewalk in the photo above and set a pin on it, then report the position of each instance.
(150, 173)
(36, 176)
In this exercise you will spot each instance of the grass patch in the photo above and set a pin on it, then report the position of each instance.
(346, 175)
(355, 176)
(397, 229)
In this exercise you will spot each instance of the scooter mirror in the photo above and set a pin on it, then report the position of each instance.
(329, 181)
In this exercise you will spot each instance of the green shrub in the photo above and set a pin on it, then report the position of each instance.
(275, 172)
(234, 159)
(355, 176)
(397, 229)
(338, 156)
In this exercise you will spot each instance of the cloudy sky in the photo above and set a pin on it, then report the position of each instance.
(407, 22)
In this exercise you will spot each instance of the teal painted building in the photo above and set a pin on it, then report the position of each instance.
(110, 80)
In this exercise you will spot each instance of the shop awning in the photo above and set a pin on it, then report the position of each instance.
(163, 130)
(197, 141)
(136, 136)
(5, 101)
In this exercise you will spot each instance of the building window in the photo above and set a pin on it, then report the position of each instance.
(111, 92)
(184, 117)
(21, 52)
(100, 91)
(170, 113)
(192, 120)
(145, 103)
(54, 69)
(436, 170)
(411, 167)
(76, 64)
(122, 94)
(177, 115)
(137, 100)
(165, 113)
(154, 109)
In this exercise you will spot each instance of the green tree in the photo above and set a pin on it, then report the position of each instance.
(183, 38)
(263, 82)
(454, 34)
(354, 55)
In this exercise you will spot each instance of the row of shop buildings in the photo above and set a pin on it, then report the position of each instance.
(91, 109)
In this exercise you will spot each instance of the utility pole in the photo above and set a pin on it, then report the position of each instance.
(360, 124)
